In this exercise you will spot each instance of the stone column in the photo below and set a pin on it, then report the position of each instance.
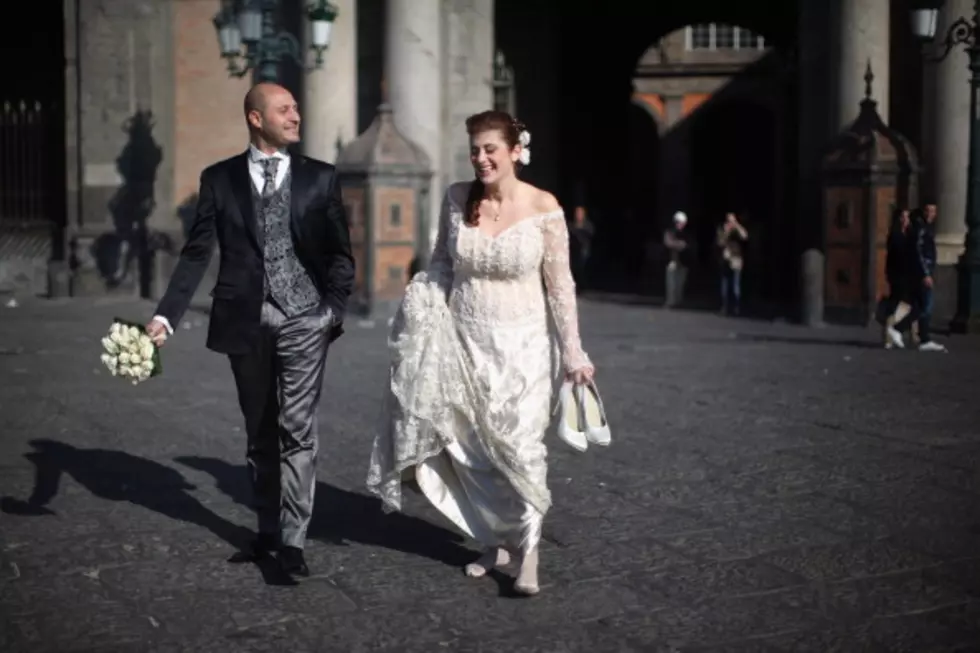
(329, 104)
(862, 35)
(947, 146)
(414, 83)
(818, 121)
(469, 82)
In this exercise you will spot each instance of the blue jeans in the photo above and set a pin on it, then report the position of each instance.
(731, 288)
(922, 302)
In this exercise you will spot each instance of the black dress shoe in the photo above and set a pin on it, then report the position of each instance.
(258, 549)
(292, 562)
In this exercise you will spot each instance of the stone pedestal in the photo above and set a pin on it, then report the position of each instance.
(863, 35)
(414, 86)
(329, 104)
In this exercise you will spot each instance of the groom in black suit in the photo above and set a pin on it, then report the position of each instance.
(285, 275)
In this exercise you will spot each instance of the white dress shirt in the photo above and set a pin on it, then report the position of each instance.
(257, 173)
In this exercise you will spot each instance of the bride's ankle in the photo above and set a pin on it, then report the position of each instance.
(527, 575)
(491, 558)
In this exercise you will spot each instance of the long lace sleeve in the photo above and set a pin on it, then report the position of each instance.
(560, 288)
(441, 263)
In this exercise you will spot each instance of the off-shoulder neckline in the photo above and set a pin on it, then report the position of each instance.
(535, 216)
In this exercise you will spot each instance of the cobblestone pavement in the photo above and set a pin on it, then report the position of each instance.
(770, 488)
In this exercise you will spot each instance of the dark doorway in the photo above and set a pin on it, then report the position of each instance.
(733, 157)
(32, 141)
(641, 186)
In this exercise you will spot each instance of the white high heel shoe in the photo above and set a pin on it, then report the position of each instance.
(571, 429)
(594, 415)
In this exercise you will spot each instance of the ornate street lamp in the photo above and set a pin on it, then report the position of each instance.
(962, 32)
(253, 23)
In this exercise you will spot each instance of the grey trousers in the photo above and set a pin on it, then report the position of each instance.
(676, 280)
(279, 386)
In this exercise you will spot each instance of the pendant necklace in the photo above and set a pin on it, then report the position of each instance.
(496, 213)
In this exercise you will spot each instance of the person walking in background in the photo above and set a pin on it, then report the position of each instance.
(582, 232)
(730, 239)
(679, 245)
(922, 268)
(898, 256)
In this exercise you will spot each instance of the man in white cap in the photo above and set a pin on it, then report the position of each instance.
(678, 243)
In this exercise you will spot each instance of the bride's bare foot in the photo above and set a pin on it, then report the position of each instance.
(494, 557)
(527, 576)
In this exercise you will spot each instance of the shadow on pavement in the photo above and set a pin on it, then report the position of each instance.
(117, 476)
(341, 517)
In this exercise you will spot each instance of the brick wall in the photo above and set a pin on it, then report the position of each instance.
(208, 120)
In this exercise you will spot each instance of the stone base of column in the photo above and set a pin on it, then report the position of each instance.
(967, 319)
(812, 288)
(59, 279)
(949, 248)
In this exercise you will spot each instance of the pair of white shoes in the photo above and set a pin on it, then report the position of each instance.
(583, 417)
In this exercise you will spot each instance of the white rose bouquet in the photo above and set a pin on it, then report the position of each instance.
(129, 352)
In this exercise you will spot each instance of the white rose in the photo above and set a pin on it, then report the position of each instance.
(144, 340)
(109, 361)
(133, 333)
(147, 366)
(110, 346)
(124, 358)
(524, 138)
(525, 156)
(118, 337)
(147, 351)
(115, 329)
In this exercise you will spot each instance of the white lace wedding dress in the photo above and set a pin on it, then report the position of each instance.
(473, 379)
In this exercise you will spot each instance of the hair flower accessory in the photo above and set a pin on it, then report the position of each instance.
(524, 138)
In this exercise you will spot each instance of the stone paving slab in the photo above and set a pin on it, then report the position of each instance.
(770, 488)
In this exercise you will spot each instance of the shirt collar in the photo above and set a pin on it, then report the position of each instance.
(255, 155)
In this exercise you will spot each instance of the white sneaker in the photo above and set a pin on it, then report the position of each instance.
(572, 427)
(894, 338)
(933, 346)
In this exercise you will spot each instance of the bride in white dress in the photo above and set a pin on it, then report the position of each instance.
(475, 360)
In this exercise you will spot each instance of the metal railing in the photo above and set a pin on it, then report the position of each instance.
(24, 171)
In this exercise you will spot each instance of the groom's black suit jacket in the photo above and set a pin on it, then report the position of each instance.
(225, 213)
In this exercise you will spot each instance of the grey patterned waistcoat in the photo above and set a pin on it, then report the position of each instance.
(287, 283)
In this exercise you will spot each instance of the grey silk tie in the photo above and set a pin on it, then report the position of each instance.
(269, 168)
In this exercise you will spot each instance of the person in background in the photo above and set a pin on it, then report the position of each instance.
(679, 245)
(897, 258)
(730, 238)
(582, 232)
(922, 268)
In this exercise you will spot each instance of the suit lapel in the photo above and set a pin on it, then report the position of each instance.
(301, 187)
(241, 185)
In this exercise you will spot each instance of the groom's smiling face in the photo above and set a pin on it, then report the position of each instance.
(275, 115)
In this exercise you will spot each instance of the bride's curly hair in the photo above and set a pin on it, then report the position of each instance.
(510, 130)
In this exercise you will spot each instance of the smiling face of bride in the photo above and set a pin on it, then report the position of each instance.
(493, 158)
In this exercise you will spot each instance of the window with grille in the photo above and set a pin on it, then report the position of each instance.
(714, 36)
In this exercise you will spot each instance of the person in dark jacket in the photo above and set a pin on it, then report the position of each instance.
(899, 245)
(922, 269)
